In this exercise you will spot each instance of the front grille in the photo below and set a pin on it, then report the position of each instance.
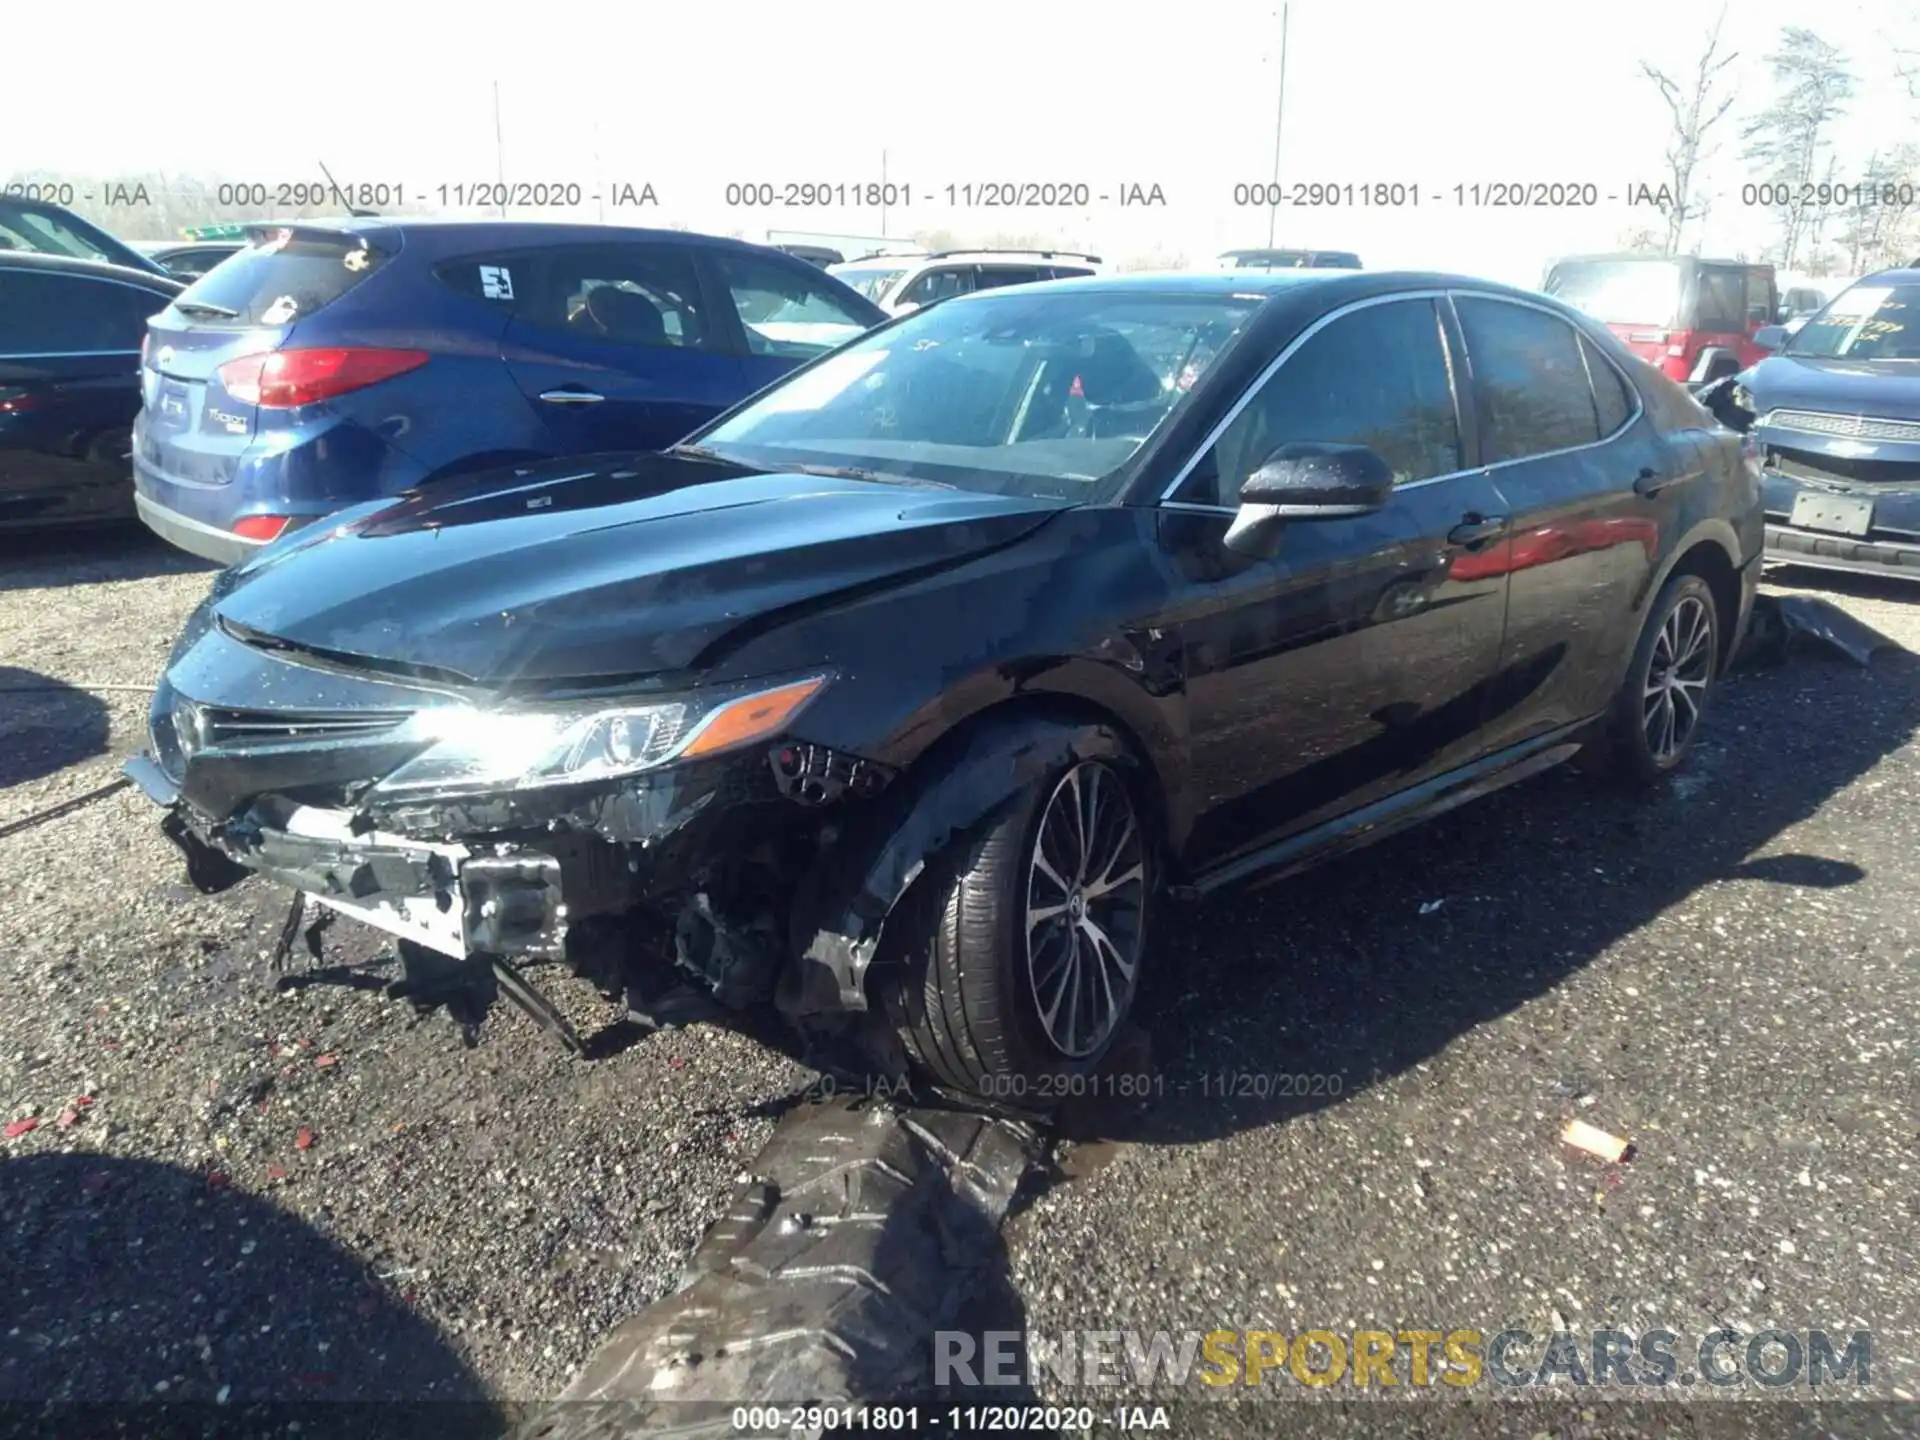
(220, 726)
(1849, 427)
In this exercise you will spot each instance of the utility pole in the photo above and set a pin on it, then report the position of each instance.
(1280, 115)
(499, 152)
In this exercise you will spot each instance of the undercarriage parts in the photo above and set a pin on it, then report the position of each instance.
(738, 961)
(514, 904)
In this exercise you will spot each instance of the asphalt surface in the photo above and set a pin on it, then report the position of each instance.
(314, 1193)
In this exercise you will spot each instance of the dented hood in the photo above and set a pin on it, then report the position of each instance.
(598, 567)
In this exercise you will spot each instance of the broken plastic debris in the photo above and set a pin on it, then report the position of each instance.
(68, 1116)
(1429, 906)
(275, 1172)
(16, 1128)
(327, 1060)
(219, 1180)
(303, 1140)
(1594, 1141)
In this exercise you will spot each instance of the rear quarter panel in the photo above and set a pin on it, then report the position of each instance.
(462, 403)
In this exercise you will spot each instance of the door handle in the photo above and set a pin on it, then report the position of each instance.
(1651, 482)
(571, 397)
(1473, 529)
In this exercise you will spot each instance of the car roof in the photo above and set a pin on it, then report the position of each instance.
(74, 265)
(480, 230)
(1335, 287)
(1903, 275)
(1648, 257)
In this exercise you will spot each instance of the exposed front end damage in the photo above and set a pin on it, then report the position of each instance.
(681, 875)
(1841, 488)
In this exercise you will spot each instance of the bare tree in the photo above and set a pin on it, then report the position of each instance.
(1879, 228)
(1787, 140)
(1695, 110)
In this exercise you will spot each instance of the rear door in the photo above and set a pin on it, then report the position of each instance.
(197, 424)
(1559, 433)
(618, 346)
(782, 312)
(69, 390)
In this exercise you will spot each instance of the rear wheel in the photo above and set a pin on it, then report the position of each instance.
(1657, 714)
(1021, 953)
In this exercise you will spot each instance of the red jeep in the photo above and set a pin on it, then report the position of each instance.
(1692, 319)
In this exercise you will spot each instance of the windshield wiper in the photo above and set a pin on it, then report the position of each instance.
(202, 307)
(701, 452)
(854, 472)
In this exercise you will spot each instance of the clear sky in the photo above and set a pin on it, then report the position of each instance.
(969, 92)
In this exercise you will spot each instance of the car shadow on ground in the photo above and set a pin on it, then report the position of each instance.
(46, 725)
(1380, 959)
(111, 550)
(147, 1295)
(1844, 582)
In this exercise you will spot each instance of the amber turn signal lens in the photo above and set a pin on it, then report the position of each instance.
(751, 717)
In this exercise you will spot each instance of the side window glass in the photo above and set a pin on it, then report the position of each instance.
(992, 277)
(50, 314)
(1611, 399)
(1722, 306)
(938, 285)
(642, 295)
(1378, 376)
(1533, 385)
(503, 281)
(789, 311)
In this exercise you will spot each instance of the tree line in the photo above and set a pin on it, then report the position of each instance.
(1829, 213)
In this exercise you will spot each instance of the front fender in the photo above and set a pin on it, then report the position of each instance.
(842, 909)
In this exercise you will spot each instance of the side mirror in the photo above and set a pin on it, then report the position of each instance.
(1307, 480)
(906, 307)
(1770, 337)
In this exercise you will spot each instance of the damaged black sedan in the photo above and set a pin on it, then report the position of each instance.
(904, 697)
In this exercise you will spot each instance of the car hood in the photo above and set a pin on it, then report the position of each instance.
(597, 568)
(1887, 388)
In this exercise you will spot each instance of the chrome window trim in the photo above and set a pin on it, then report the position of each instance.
(1246, 398)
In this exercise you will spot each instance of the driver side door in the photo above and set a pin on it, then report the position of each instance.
(1357, 660)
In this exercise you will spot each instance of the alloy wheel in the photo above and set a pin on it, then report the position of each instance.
(1086, 904)
(1678, 674)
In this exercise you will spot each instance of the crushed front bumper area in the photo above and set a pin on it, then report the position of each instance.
(1836, 511)
(507, 900)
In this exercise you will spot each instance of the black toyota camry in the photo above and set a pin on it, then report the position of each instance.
(907, 696)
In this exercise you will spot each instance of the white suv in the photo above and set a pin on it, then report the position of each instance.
(899, 283)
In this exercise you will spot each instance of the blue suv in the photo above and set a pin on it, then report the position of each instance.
(330, 363)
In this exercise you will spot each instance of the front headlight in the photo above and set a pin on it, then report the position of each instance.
(473, 749)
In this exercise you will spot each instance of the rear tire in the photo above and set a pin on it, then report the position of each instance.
(1657, 714)
(1020, 946)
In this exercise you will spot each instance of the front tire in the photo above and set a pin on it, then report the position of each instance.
(1657, 714)
(1021, 955)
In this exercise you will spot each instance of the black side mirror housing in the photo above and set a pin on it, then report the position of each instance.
(1307, 480)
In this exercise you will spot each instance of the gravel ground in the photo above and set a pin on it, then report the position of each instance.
(314, 1193)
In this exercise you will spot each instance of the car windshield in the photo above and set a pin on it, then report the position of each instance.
(870, 280)
(1621, 292)
(1868, 322)
(1041, 395)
